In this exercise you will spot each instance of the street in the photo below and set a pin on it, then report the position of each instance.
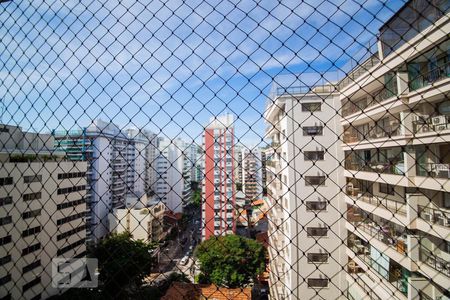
(183, 245)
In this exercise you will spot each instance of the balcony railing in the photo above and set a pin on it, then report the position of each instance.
(360, 69)
(382, 233)
(435, 170)
(393, 206)
(437, 263)
(428, 78)
(377, 167)
(385, 93)
(434, 215)
(377, 133)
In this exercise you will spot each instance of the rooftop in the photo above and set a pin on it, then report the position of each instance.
(189, 291)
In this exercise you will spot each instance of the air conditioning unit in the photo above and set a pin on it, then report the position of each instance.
(439, 120)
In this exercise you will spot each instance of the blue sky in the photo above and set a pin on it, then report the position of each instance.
(169, 65)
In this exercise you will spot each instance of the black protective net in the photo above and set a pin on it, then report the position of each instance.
(225, 149)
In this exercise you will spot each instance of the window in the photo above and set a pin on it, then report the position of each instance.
(316, 231)
(70, 232)
(5, 259)
(5, 201)
(31, 266)
(31, 214)
(5, 240)
(314, 180)
(70, 218)
(31, 249)
(71, 175)
(312, 130)
(30, 284)
(314, 155)
(316, 205)
(70, 247)
(70, 204)
(387, 189)
(32, 196)
(317, 257)
(32, 178)
(6, 181)
(5, 220)
(71, 189)
(317, 282)
(5, 279)
(31, 231)
(311, 107)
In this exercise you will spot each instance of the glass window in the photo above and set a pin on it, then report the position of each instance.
(312, 130)
(314, 155)
(311, 107)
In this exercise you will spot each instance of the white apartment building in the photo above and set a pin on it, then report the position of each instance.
(304, 183)
(238, 164)
(142, 218)
(109, 153)
(42, 212)
(251, 164)
(151, 155)
(396, 122)
(137, 162)
(169, 169)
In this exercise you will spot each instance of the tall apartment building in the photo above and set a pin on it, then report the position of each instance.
(252, 184)
(218, 183)
(396, 121)
(42, 212)
(151, 156)
(238, 164)
(136, 162)
(107, 150)
(169, 169)
(263, 171)
(304, 183)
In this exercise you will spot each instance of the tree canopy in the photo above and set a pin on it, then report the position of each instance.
(122, 262)
(231, 260)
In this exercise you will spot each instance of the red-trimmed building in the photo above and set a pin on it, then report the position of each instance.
(218, 183)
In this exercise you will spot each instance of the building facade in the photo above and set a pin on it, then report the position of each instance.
(218, 184)
(42, 212)
(169, 170)
(304, 183)
(110, 156)
(252, 184)
(143, 219)
(396, 133)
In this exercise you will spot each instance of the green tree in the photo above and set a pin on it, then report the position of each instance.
(231, 260)
(197, 198)
(123, 263)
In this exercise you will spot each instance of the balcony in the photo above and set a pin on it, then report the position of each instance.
(434, 124)
(438, 216)
(389, 90)
(381, 167)
(439, 264)
(352, 135)
(424, 79)
(435, 170)
(386, 234)
(392, 206)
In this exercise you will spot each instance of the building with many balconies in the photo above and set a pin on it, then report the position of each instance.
(396, 122)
